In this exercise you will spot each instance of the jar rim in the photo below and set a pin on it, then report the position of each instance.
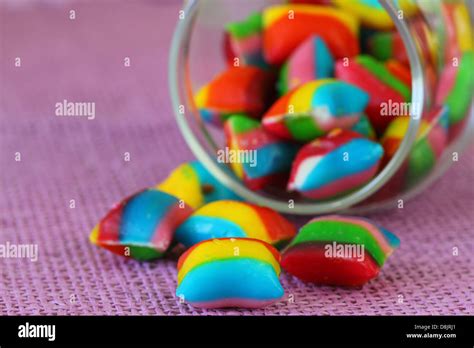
(178, 73)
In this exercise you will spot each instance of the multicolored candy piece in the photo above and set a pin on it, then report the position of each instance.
(372, 14)
(239, 90)
(310, 61)
(339, 250)
(224, 219)
(374, 78)
(287, 26)
(334, 165)
(244, 41)
(230, 272)
(265, 159)
(429, 146)
(316, 108)
(142, 226)
(192, 183)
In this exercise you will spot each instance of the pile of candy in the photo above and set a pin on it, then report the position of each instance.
(305, 77)
(232, 258)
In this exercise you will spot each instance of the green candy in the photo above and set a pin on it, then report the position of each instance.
(340, 232)
(251, 25)
(384, 75)
(460, 97)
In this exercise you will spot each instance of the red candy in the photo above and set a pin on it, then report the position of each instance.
(287, 26)
(238, 90)
(333, 271)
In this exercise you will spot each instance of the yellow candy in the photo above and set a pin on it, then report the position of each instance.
(372, 14)
(184, 183)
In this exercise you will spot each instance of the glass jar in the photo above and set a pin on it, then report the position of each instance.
(434, 42)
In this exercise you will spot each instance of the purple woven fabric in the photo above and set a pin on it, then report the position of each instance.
(74, 158)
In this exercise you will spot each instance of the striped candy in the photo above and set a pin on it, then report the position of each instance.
(272, 156)
(338, 250)
(225, 219)
(315, 109)
(429, 146)
(192, 183)
(142, 226)
(238, 90)
(334, 165)
(375, 79)
(310, 61)
(287, 26)
(244, 41)
(372, 14)
(230, 272)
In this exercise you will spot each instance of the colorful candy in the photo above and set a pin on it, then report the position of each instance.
(374, 78)
(334, 165)
(399, 70)
(264, 158)
(246, 90)
(315, 109)
(456, 87)
(430, 143)
(459, 36)
(192, 183)
(287, 26)
(363, 127)
(244, 41)
(387, 45)
(371, 12)
(339, 250)
(310, 61)
(142, 226)
(225, 219)
(230, 272)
